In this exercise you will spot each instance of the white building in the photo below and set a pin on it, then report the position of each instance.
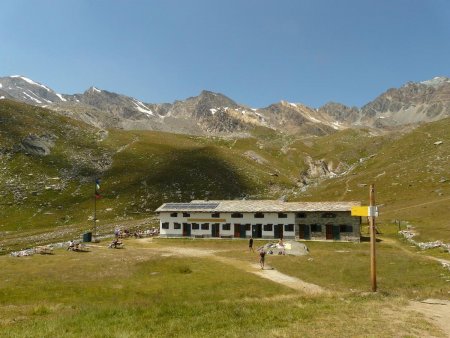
(260, 219)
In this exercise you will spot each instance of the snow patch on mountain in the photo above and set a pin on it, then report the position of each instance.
(37, 96)
(436, 81)
(32, 98)
(1, 86)
(311, 118)
(142, 107)
(337, 125)
(61, 97)
(2, 97)
(213, 111)
(31, 82)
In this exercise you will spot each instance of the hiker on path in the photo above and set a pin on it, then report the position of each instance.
(250, 244)
(262, 256)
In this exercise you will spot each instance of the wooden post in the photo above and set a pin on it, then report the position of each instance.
(95, 208)
(373, 239)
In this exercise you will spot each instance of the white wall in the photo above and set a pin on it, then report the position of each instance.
(248, 218)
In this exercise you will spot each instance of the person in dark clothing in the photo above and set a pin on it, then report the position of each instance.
(250, 244)
(262, 256)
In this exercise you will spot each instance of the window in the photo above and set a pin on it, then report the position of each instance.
(316, 228)
(289, 227)
(205, 226)
(176, 225)
(226, 226)
(237, 215)
(328, 215)
(215, 215)
(301, 215)
(186, 214)
(165, 225)
(282, 215)
(346, 228)
(195, 226)
(248, 227)
(174, 214)
(259, 215)
(267, 227)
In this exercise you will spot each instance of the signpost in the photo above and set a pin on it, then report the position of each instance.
(373, 239)
(371, 212)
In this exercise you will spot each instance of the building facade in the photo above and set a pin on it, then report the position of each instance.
(260, 219)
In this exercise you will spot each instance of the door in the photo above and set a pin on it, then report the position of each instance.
(237, 230)
(336, 232)
(278, 231)
(257, 230)
(215, 230)
(243, 229)
(186, 230)
(304, 231)
(329, 232)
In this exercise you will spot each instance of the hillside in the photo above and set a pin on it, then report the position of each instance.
(411, 174)
(49, 163)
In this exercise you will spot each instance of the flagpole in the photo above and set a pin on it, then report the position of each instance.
(95, 208)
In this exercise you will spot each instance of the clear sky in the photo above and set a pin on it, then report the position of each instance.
(257, 52)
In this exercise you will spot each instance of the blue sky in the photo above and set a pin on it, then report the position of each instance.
(255, 51)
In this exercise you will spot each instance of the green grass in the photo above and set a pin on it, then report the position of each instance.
(138, 291)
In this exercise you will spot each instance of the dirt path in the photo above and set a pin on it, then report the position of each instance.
(268, 273)
(436, 310)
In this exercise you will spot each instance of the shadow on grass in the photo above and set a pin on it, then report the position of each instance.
(367, 239)
(182, 174)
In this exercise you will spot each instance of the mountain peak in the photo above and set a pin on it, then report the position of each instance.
(208, 93)
(93, 89)
(436, 81)
(23, 78)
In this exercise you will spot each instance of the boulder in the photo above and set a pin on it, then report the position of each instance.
(37, 145)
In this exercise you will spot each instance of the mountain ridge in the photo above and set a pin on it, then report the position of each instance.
(212, 113)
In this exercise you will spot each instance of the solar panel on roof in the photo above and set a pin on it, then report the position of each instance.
(190, 206)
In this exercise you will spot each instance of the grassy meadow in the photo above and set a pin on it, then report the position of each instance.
(145, 290)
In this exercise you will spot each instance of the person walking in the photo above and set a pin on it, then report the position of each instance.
(262, 256)
(250, 245)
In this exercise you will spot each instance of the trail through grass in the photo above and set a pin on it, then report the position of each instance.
(151, 289)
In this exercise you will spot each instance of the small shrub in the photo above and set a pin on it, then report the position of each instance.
(184, 269)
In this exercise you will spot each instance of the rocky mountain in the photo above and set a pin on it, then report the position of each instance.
(340, 112)
(215, 114)
(412, 103)
(26, 90)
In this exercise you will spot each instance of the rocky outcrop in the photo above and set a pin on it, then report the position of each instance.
(37, 145)
(319, 170)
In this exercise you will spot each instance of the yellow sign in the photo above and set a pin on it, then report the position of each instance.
(360, 211)
(365, 211)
